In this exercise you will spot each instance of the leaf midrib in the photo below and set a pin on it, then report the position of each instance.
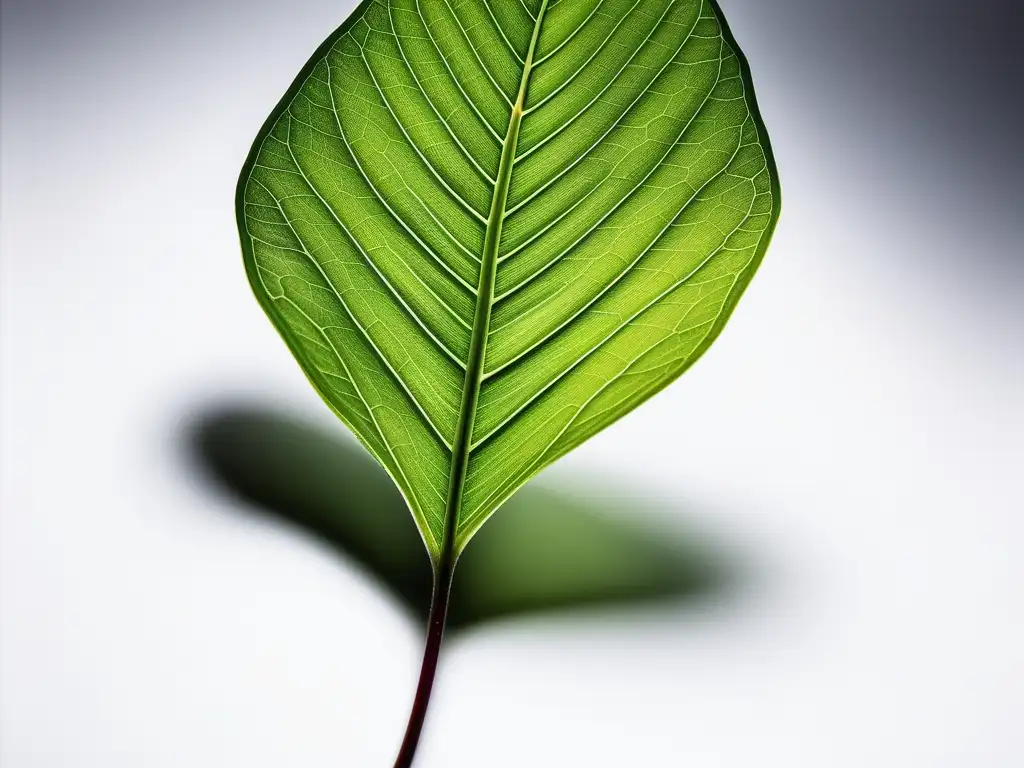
(462, 445)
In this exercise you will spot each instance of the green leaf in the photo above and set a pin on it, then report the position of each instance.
(489, 229)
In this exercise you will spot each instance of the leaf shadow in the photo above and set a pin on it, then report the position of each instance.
(546, 549)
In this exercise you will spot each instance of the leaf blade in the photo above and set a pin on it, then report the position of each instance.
(629, 197)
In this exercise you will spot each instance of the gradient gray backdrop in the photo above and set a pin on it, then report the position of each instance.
(855, 434)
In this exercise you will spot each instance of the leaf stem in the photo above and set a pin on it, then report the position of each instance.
(444, 566)
(431, 653)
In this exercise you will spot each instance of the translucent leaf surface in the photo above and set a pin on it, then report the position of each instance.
(487, 230)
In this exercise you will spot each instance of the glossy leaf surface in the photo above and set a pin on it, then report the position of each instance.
(488, 229)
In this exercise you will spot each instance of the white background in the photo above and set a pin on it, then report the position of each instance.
(855, 434)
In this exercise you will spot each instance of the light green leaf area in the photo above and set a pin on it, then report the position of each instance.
(488, 229)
